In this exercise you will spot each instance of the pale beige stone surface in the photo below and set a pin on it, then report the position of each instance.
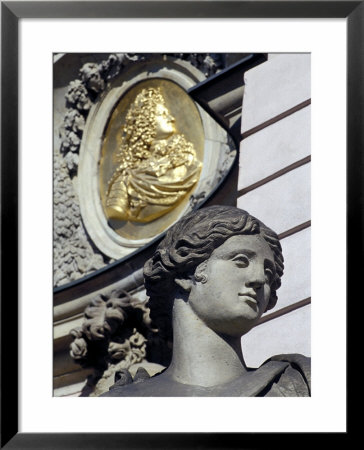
(290, 333)
(275, 147)
(296, 281)
(284, 202)
(274, 87)
(72, 390)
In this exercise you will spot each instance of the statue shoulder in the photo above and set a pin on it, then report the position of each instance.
(141, 385)
(296, 378)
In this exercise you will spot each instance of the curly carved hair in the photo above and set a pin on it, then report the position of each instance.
(191, 241)
(140, 126)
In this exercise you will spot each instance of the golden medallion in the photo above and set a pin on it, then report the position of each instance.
(151, 158)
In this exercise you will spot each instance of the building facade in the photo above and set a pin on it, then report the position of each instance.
(254, 153)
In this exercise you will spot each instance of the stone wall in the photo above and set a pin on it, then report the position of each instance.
(75, 254)
(274, 185)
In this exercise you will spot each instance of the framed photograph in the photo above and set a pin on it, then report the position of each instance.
(53, 51)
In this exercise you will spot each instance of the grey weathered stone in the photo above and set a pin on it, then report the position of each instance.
(73, 254)
(110, 341)
(213, 276)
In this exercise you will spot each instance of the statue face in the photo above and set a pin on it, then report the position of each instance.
(165, 123)
(235, 285)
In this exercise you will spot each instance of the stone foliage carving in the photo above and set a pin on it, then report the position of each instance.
(208, 63)
(73, 254)
(113, 337)
(79, 99)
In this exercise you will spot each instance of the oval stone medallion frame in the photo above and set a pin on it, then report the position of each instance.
(168, 184)
(214, 150)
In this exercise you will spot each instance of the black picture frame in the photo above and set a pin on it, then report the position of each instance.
(11, 12)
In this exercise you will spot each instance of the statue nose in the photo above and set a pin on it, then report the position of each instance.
(255, 284)
(257, 279)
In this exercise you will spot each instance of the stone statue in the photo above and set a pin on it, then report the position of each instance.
(214, 275)
(156, 167)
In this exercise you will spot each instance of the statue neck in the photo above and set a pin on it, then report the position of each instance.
(201, 356)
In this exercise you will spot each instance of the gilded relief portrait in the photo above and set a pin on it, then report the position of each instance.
(154, 166)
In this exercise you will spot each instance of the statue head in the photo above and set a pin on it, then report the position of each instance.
(192, 241)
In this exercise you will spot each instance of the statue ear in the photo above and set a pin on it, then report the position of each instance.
(184, 283)
(200, 272)
(199, 276)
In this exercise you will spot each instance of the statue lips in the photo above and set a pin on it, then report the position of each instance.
(250, 298)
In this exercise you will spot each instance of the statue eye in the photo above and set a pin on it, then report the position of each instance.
(241, 260)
